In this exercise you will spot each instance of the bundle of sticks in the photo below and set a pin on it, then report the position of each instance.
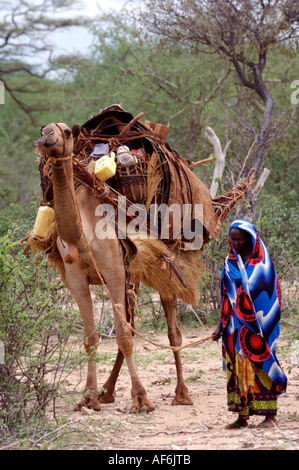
(224, 204)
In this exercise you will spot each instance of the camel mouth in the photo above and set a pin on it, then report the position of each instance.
(49, 144)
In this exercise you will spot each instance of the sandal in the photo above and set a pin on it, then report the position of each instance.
(268, 424)
(237, 424)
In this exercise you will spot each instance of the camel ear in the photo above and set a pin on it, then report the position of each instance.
(76, 129)
(41, 129)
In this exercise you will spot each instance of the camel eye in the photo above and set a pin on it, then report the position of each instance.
(49, 133)
(67, 133)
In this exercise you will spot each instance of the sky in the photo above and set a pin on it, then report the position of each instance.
(78, 39)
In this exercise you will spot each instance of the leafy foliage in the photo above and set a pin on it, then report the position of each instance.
(35, 325)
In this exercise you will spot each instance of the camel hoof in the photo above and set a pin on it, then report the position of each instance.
(182, 401)
(145, 407)
(91, 403)
(106, 397)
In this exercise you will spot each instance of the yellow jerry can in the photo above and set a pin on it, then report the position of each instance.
(105, 167)
(44, 218)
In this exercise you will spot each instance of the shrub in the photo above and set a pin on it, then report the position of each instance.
(34, 331)
(279, 226)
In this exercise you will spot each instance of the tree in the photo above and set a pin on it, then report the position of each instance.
(164, 83)
(244, 34)
(25, 48)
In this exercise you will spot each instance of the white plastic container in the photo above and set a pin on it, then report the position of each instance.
(124, 156)
(44, 218)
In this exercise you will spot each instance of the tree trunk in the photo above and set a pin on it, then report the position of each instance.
(263, 136)
(253, 194)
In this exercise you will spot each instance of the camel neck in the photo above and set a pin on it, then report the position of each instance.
(66, 215)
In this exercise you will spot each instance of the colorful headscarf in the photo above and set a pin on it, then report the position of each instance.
(251, 306)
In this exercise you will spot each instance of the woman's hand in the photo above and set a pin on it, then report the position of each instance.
(218, 332)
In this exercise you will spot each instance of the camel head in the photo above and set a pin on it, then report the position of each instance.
(57, 139)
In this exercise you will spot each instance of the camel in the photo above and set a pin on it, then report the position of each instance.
(81, 251)
(84, 259)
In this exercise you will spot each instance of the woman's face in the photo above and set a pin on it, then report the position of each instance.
(240, 241)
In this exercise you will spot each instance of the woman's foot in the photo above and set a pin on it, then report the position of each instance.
(270, 421)
(240, 423)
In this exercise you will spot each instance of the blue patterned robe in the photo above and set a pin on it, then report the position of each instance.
(251, 307)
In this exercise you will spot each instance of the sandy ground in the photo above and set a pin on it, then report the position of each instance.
(173, 428)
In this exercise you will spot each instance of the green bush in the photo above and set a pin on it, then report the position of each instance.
(35, 325)
(278, 225)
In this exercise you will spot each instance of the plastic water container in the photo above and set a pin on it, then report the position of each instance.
(105, 167)
(44, 218)
(124, 156)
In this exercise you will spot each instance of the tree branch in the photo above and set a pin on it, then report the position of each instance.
(220, 159)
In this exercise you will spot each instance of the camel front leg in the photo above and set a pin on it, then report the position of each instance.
(79, 288)
(175, 338)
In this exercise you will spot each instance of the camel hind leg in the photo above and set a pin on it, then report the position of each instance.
(175, 338)
(107, 395)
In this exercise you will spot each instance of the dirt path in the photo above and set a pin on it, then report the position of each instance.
(198, 427)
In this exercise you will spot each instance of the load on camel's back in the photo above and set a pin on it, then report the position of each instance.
(123, 208)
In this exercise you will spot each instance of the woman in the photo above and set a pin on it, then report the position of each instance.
(249, 325)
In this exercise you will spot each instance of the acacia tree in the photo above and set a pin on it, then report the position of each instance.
(25, 46)
(244, 33)
(177, 95)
